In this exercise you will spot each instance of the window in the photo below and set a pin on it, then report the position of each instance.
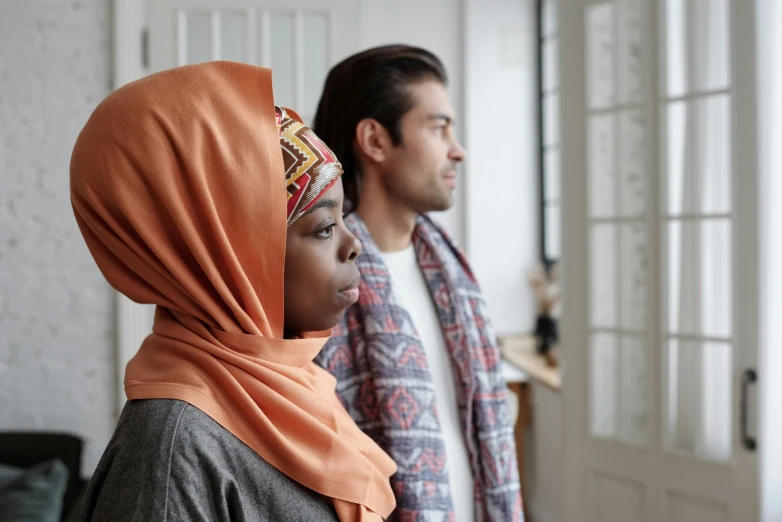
(548, 88)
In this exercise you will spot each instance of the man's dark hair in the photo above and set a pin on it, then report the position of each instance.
(371, 84)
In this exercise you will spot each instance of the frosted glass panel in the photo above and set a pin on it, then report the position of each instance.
(233, 37)
(603, 363)
(283, 59)
(634, 270)
(680, 269)
(603, 276)
(681, 192)
(714, 435)
(714, 154)
(716, 278)
(676, 31)
(602, 166)
(711, 37)
(550, 72)
(551, 119)
(198, 37)
(551, 171)
(549, 23)
(700, 279)
(633, 417)
(706, 189)
(631, 31)
(553, 231)
(632, 163)
(699, 405)
(708, 31)
(681, 388)
(600, 60)
(316, 59)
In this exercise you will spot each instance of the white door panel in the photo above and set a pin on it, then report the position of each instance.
(299, 40)
(659, 246)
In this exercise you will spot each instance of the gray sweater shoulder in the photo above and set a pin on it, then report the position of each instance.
(169, 461)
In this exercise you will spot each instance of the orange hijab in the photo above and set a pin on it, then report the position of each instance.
(178, 187)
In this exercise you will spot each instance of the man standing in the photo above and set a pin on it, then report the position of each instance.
(416, 359)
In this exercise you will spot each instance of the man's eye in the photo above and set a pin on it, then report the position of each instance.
(326, 232)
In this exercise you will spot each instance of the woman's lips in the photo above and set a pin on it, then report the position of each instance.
(351, 294)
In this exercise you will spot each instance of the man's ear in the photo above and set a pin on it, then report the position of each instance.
(373, 140)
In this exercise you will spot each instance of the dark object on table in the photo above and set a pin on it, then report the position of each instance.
(545, 284)
(546, 333)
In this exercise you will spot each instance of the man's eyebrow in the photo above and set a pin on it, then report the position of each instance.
(321, 203)
(442, 116)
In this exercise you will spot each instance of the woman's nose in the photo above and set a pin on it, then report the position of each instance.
(352, 247)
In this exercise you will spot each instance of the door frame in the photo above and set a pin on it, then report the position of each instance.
(132, 320)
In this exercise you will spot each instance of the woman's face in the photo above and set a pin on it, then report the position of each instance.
(321, 276)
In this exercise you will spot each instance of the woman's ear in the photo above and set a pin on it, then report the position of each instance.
(372, 140)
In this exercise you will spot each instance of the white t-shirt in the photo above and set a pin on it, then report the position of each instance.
(410, 289)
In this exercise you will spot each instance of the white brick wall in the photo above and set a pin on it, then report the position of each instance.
(56, 311)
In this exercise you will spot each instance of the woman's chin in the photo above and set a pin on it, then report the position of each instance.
(326, 324)
(318, 321)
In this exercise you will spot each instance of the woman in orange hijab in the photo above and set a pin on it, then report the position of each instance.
(194, 193)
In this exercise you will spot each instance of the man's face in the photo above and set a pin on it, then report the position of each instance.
(421, 171)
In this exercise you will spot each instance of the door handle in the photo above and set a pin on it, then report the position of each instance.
(748, 377)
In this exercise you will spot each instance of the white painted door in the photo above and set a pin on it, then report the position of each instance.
(298, 39)
(660, 251)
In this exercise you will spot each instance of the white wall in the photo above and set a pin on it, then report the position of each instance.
(56, 339)
(488, 48)
(502, 138)
(769, 65)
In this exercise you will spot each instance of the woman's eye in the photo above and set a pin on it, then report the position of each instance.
(326, 232)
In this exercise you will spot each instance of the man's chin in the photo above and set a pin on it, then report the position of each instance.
(447, 200)
(439, 203)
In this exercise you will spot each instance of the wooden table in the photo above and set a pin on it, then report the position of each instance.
(520, 351)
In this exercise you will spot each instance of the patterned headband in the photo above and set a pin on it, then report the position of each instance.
(310, 166)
